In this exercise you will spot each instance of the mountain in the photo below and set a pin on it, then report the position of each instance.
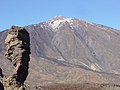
(70, 50)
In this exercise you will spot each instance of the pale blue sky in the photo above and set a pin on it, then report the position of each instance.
(26, 12)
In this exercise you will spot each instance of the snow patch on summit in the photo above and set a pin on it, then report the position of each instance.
(55, 24)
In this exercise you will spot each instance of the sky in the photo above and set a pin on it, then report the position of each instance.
(27, 12)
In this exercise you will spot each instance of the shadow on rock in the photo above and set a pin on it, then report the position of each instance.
(1, 86)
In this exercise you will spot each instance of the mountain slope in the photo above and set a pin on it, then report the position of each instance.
(85, 52)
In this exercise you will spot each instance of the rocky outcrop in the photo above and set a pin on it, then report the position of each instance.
(17, 45)
(10, 83)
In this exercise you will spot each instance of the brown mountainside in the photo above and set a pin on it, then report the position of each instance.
(70, 51)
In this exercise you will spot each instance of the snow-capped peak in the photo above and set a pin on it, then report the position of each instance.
(58, 21)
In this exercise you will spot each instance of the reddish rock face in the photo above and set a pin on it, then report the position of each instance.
(17, 51)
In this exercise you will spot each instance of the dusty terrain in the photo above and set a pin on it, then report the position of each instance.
(85, 86)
